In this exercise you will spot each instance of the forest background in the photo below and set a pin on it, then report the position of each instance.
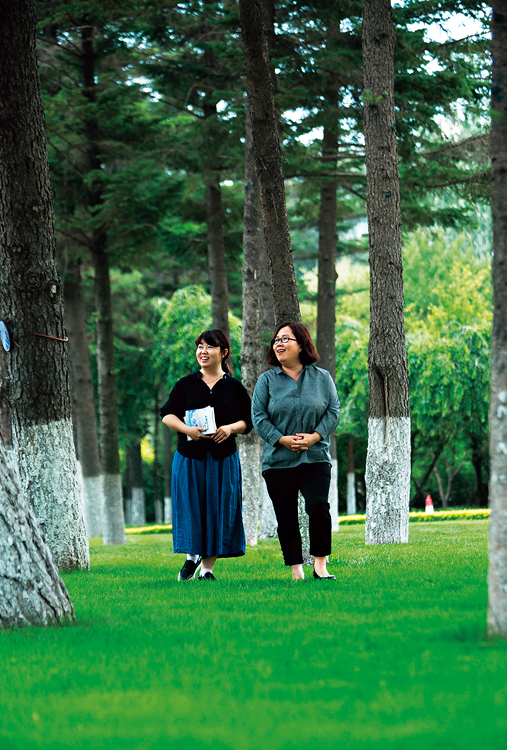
(145, 112)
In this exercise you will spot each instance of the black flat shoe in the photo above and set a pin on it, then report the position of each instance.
(323, 578)
(207, 577)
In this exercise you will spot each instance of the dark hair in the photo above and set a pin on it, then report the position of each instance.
(308, 354)
(215, 337)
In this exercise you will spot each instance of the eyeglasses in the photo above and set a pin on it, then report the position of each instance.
(208, 347)
(282, 340)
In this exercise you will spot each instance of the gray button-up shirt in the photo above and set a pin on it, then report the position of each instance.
(280, 406)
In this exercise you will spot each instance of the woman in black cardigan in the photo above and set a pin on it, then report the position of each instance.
(206, 476)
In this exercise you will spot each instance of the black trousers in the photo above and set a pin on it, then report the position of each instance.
(313, 481)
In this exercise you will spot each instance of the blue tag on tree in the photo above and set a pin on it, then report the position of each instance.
(4, 335)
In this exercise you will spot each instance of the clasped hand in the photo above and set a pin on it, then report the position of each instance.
(218, 437)
(300, 442)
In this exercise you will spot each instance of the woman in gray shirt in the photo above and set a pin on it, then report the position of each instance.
(295, 409)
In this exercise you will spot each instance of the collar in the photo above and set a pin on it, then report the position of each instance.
(198, 374)
(279, 371)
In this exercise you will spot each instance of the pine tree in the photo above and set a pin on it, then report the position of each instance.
(497, 579)
(388, 460)
(37, 386)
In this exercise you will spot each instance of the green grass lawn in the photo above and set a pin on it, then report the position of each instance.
(392, 655)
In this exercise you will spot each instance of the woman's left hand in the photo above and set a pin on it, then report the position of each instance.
(222, 433)
(305, 440)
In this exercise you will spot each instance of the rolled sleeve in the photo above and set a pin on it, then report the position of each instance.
(261, 421)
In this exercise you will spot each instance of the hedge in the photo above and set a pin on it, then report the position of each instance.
(475, 514)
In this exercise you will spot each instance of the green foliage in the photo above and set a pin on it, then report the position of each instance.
(448, 321)
(181, 320)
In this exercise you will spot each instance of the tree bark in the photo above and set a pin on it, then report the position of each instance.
(113, 524)
(37, 385)
(5, 412)
(83, 401)
(269, 162)
(351, 478)
(388, 459)
(418, 499)
(481, 489)
(326, 295)
(137, 485)
(31, 590)
(253, 350)
(497, 578)
(451, 472)
(328, 238)
(216, 256)
(268, 527)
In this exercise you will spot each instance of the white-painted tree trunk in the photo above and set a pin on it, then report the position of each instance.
(351, 494)
(128, 511)
(497, 575)
(250, 452)
(113, 524)
(387, 480)
(333, 496)
(138, 507)
(304, 528)
(268, 525)
(31, 590)
(49, 480)
(93, 498)
(168, 512)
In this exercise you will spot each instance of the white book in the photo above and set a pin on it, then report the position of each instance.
(204, 417)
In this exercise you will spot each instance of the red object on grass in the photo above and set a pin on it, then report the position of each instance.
(428, 508)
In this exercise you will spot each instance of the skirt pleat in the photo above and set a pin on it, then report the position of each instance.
(207, 506)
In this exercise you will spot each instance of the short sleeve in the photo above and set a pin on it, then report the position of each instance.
(176, 402)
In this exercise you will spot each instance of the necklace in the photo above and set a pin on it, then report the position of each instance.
(212, 381)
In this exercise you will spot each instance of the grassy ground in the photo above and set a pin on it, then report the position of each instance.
(393, 655)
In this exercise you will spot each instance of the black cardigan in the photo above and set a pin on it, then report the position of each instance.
(230, 401)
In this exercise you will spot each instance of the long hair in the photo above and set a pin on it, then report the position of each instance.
(308, 354)
(215, 337)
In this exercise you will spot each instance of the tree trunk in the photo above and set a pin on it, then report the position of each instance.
(252, 346)
(168, 459)
(5, 412)
(328, 238)
(268, 527)
(388, 459)
(37, 386)
(269, 162)
(31, 590)
(83, 401)
(216, 256)
(326, 295)
(113, 525)
(159, 518)
(481, 489)
(351, 478)
(127, 494)
(497, 579)
(418, 499)
(137, 485)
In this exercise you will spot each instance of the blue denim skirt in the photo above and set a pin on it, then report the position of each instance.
(207, 507)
